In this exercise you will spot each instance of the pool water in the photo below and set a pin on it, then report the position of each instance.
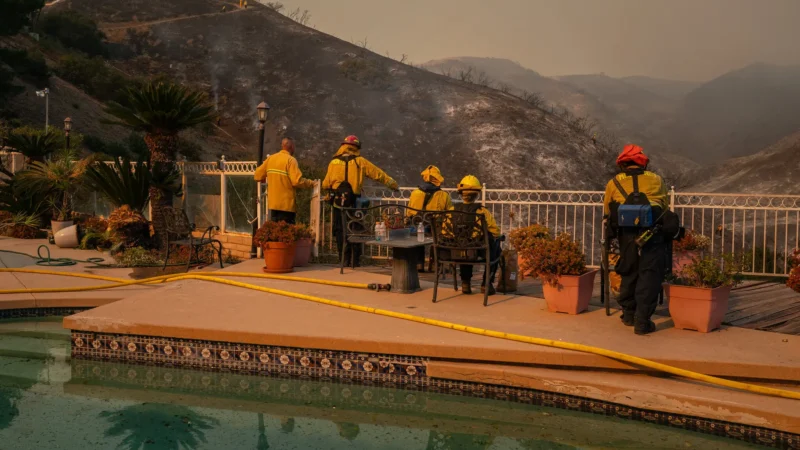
(48, 401)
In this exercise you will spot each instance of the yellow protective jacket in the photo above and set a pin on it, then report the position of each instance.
(650, 184)
(283, 176)
(439, 201)
(358, 168)
(491, 225)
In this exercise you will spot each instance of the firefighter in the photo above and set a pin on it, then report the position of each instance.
(642, 268)
(429, 196)
(470, 189)
(344, 181)
(282, 175)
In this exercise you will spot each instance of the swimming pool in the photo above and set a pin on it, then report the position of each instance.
(49, 401)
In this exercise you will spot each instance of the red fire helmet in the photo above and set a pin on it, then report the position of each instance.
(352, 140)
(633, 153)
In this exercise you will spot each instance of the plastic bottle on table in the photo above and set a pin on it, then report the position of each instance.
(378, 231)
(420, 232)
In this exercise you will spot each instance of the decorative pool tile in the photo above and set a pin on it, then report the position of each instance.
(39, 312)
(344, 370)
(255, 359)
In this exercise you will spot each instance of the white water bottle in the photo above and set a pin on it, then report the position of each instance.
(420, 232)
(384, 231)
(378, 231)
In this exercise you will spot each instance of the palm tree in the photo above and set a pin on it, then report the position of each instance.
(160, 110)
(36, 145)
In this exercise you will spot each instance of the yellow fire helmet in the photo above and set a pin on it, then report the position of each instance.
(432, 175)
(469, 183)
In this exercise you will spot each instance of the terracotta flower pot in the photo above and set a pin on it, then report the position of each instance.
(302, 252)
(693, 308)
(58, 225)
(278, 257)
(571, 294)
(681, 259)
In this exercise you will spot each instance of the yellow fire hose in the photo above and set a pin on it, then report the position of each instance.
(215, 278)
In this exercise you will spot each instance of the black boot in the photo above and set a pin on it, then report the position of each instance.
(492, 290)
(627, 319)
(466, 288)
(644, 328)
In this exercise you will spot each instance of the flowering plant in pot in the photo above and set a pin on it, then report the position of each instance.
(692, 245)
(524, 240)
(794, 272)
(305, 239)
(278, 241)
(561, 265)
(698, 298)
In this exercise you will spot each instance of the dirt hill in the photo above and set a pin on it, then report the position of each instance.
(774, 170)
(322, 88)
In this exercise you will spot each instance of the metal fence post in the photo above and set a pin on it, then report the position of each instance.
(483, 194)
(672, 198)
(259, 212)
(223, 195)
(314, 216)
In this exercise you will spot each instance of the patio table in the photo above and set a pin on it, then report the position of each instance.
(405, 278)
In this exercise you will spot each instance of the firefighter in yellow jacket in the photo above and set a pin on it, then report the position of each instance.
(283, 176)
(345, 179)
(429, 196)
(642, 269)
(470, 188)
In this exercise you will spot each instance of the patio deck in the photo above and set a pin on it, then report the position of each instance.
(191, 315)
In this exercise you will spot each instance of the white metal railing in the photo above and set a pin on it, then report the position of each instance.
(765, 228)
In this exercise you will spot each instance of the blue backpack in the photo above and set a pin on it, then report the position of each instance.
(636, 211)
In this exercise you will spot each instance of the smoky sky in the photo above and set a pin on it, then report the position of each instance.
(677, 39)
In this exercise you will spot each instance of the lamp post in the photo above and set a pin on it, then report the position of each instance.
(67, 127)
(263, 111)
(46, 94)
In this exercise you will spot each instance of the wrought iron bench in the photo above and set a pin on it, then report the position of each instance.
(179, 232)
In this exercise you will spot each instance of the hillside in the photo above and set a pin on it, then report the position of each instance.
(774, 170)
(738, 113)
(321, 88)
(671, 89)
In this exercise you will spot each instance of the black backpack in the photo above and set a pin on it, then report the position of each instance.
(635, 211)
(345, 196)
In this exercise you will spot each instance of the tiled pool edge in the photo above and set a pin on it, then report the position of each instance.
(21, 313)
(379, 369)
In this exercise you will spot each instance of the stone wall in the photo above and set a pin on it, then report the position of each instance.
(238, 244)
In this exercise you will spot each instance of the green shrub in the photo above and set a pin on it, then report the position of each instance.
(712, 271)
(31, 67)
(75, 31)
(93, 76)
(365, 71)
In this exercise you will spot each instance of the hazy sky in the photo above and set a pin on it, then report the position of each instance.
(678, 39)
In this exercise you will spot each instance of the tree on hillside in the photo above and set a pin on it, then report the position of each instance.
(161, 110)
(17, 14)
(75, 31)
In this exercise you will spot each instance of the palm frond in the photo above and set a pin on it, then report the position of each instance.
(36, 146)
(122, 184)
(160, 108)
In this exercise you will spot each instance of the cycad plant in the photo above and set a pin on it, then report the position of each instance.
(36, 145)
(58, 178)
(121, 184)
(161, 110)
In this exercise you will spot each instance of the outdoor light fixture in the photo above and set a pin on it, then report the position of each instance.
(45, 93)
(67, 127)
(263, 111)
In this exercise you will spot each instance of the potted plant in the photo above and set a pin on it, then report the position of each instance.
(698, 298)
(278, 241)
(305, 239)
(692, 246)
(60, 178)
(523, 240)
(561, 265)
(794, 273)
